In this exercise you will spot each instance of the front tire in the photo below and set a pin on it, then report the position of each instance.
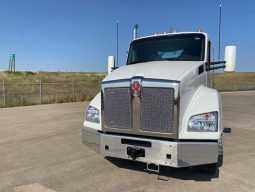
(220, 157)
(220, 160)
(211, 168)
(214, 167)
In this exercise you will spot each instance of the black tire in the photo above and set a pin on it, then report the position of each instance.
(210, 168)
(214, 167)
(220, 160)
(220, 157)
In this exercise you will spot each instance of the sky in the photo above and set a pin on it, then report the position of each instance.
(79, 35)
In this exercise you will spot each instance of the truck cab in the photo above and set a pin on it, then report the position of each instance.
(158, 108)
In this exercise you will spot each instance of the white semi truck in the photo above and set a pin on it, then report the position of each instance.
(158, 108)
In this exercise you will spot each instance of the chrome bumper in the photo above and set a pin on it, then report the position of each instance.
(161, 152)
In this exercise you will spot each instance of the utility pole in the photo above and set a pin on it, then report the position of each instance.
(40, 89)
(73, 91)
(14, 65)
(4, 96)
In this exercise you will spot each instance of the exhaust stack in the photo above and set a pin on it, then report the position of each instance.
(135, 32)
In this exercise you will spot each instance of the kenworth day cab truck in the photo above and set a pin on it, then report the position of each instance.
(158, 108)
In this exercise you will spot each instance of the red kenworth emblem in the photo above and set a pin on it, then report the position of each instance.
(136, 88)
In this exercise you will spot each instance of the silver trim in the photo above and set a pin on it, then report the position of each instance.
(118, 83)
(183, 154)
(91, 138)
(163, 84)
(145, 82)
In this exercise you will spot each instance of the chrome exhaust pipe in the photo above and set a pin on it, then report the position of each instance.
(135, 31)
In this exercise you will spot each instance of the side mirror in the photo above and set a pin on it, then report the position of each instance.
(230, 58)
(111, 64)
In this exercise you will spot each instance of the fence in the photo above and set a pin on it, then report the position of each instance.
(20, 94)
(31, 92)
(233, 81)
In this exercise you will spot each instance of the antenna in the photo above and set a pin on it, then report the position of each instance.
(212, 53)
(117, 56)
(219, 33)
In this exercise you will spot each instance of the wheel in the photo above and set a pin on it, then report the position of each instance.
(213, 168)
(220, 160)
(210, 168)
(220, 157)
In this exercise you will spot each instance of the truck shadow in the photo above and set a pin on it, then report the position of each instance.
(165, 172)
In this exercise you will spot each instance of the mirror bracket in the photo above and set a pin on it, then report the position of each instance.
(215, 65)
(113, 68)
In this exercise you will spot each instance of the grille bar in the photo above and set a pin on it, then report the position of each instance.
(153, 113)
(157, 110)
(117, 108)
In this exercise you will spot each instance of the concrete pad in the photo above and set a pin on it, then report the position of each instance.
(36, 187)
(41, 148)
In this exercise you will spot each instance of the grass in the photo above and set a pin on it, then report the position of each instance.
(23, 88)
(30, 77)
(234, 81)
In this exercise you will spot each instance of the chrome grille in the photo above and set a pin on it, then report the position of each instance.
(117, 108)
(157, 109)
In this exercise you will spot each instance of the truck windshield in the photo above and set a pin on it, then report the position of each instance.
(179, 47)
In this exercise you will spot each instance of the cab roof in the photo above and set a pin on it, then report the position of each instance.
(170, 34)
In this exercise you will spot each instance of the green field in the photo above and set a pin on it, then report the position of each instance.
(28, 88)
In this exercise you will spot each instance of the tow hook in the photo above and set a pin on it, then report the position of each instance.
(153, 167)
(135, 152)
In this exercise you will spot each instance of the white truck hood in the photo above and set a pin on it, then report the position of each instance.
(169, 70)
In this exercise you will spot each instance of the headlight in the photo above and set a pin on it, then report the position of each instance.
(92, 115)
(206, 122)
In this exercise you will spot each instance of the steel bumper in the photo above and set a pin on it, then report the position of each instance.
(161, 152)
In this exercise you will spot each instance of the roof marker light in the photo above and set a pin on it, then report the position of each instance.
(174, 31)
